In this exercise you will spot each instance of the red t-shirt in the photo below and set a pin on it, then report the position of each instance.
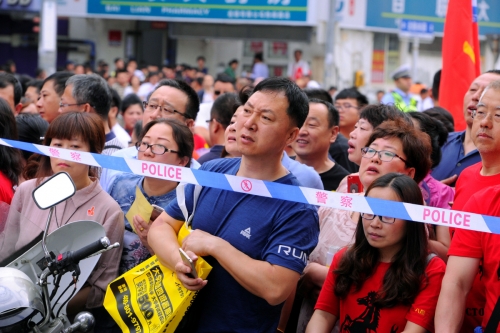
(482, 245)
(357, 314)
(6, 191)
(469, 183)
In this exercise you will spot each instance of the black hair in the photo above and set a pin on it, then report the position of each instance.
(38, 72)
(298, 103)
(193, 104)
(224, 78)
(436, 131)
(353, 93)
(23, 80)
(115, 99)
(59, 81)
(91, 89)
(317, 93)
(11, 165)
(234, 61)
(377, 114)
(34, 83)
(443, 116)
(201, 58)
(118, 71)
(137, 129)
(30, 128)
(333, 114)
(406, 276)
(129, 100)
(493, 71)
(117, 59)
(153, 74)
(181, 133)
(436, 82)
(6, 80)
(224, 107)
(259, 56)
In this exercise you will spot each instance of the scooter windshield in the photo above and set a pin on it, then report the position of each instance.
(11, 245)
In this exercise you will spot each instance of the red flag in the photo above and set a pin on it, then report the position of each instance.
(461, 57)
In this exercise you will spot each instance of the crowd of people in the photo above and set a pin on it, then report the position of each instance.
(278, 266)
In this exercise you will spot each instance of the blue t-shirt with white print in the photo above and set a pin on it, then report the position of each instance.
(280, 232)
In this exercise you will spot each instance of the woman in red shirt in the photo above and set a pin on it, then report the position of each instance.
(386, 281)
(10, 158)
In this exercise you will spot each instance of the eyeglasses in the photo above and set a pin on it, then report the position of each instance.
(154, 107)
(345, 106)
(385, 219)
(384, 155)
(155, 149)
(480, 115)
(61, 105)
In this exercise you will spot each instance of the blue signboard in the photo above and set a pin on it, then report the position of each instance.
(412, 28)
(286, 11)
(388, 14)
(20, 5)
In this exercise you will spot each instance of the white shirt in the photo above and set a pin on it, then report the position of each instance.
(204, 114)
(121, 134)
(293, 69)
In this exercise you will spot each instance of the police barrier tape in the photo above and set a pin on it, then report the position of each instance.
(346, 201)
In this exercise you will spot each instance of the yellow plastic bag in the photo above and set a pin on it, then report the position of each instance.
(150, 298)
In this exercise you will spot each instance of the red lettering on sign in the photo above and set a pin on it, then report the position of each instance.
(162, 171)
(449, 217)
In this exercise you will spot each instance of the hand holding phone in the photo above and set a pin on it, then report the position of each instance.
(354, 184)
(188, 261)
(157, 210)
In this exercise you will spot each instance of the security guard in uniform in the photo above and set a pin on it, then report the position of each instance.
(400, 96)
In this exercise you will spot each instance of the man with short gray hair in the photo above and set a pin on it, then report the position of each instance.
(90, 93)
(478, 191)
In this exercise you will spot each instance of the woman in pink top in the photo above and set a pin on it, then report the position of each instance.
(84, 132)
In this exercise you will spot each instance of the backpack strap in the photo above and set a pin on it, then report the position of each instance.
(181, 200)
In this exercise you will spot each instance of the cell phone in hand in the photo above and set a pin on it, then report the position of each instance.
(354, 184)
(188, 261)
(157, 210)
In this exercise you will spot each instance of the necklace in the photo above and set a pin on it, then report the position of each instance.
(57, 222)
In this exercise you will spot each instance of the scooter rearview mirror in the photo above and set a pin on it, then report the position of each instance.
(54, 190)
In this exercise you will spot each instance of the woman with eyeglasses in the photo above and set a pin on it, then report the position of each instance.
(386, 281)
(166, 141)
(392, 146)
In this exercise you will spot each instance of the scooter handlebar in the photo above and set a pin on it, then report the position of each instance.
(90, 249)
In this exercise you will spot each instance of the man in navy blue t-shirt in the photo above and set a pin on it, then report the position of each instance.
(258, 246)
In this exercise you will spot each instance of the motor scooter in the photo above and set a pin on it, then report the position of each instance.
(29, 300)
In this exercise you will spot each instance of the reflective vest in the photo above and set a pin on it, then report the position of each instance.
(401, 105)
